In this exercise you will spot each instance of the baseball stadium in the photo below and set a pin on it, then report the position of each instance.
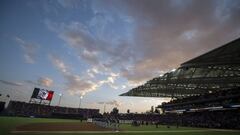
(203, 92)
(205, 99)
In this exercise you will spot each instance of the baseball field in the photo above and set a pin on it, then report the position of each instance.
(43, 126)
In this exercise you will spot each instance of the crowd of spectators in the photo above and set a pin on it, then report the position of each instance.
(220, 109)
(226, 119)
(213, 119)
(17, 108)
(212, 99)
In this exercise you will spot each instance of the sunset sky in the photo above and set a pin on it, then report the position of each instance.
(99, 49)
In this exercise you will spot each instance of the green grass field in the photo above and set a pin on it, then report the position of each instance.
(7, 124)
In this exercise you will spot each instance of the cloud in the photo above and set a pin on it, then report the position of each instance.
(92, 43)
(168, 33)
(141, 39)
(11, 83)
(93, 72)
(45, 81)
(81, 84)
(74, 83)
(113, 103)
(77, 36)
(71, 3)
(110, 80)
(101, 56)
(32, 82)
(41, 81)
(61, 66)
(101, 103)
(77, 85)
(29, 50)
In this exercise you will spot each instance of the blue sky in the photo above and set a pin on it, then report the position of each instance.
(100, 49)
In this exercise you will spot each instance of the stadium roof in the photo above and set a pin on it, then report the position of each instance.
(226, 54)
(216, 70)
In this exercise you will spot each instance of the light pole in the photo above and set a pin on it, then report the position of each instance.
(60, 97)
(7, 100)
(104, 108)
(80, 101)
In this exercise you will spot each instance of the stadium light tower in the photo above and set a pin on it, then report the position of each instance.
(80, 101)
(60, 97)
(104, 108)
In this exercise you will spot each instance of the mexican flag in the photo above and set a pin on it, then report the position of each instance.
(42, 94)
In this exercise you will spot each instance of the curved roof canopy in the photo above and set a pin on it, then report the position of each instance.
(216, 70)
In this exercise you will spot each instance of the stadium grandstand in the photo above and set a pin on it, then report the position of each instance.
(39, 106)
(204, 91)
(17, 108)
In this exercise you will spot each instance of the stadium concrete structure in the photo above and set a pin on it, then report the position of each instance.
(213, 71)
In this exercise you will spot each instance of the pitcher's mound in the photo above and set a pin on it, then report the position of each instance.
(61, 127)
